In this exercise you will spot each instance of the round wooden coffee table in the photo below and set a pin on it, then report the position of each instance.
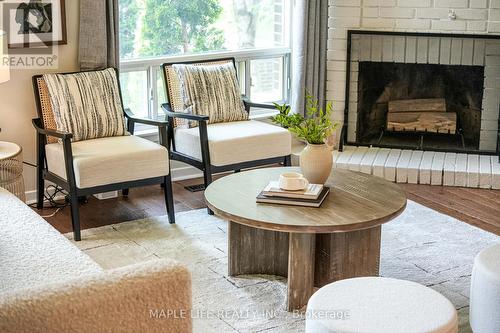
(310, 246)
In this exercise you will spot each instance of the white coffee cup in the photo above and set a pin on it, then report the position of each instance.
(292, 181)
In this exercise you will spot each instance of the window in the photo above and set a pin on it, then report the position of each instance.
(255, 32)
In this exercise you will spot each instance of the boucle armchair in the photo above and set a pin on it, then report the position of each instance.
(49, 285)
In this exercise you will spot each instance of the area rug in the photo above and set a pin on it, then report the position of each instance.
(421, 245)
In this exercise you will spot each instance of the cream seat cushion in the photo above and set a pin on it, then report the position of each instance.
(110, 160)
(379, 305)
(236, 142)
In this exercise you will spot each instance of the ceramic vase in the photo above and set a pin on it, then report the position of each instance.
(316, 161)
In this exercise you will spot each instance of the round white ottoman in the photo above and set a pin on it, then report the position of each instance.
(484, 308)
(374, 304)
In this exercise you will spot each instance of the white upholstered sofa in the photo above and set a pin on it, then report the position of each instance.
(49, 285)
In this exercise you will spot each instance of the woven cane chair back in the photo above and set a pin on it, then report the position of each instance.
(45, 111)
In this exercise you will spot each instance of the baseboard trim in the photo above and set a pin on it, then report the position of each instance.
(181, 173)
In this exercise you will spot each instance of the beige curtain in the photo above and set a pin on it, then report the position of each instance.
(98, 47)
(310, 34)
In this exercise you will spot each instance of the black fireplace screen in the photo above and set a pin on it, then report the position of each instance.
(381, 82)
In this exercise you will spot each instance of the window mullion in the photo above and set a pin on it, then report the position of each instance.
(248, 80)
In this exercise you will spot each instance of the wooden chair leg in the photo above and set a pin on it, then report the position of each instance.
(75, 216)
(207, 177)
(169, 198)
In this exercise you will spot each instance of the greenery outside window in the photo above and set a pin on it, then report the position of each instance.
(255, 32)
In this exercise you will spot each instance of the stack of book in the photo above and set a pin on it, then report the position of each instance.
(312, 196)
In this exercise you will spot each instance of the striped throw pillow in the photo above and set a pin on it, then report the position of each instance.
(211, 90)
(87, 104)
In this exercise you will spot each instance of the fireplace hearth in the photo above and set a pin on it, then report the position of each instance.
(387, 66)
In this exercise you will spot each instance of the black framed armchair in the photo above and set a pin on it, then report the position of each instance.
(225, 146)
(98, 165)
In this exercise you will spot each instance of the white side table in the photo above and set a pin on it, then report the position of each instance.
(11, 169)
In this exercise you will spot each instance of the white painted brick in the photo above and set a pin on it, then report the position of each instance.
(448, 25)
(432, 13)
(390, 165)
(341, 22)
(346, 2)
(478, 3)
(422, 50)
(414, 3)
(382, 3)
(451, 3)
(425, 167)
(456, 51)
(411, 50)
(476, 25)
(419, 24)
(366, 165)
(445, 51)
(492, 71)
(489, 125)
(479, 48)
(472, 14)
(356, 158)
(344, 157)
(344, 11)
(434, 46)
(492, 60)
(402, 166)
(495, 173)
(336, 55)
(437, 169)
(472, 170)
(449, 169)
(484, 171)
(399, 49)
(461, 170)
(492, 82)
(396, 12)
(336, 65)
(376, 54)
(370, 11)
(414, 165)
(382, 23)
(379, 162)
(365, 48)
(493, 26)
(492, 48)
(387, 48)
(467, 51)
(488, 136)
(494, 15)
(488, 145)
(494, 3)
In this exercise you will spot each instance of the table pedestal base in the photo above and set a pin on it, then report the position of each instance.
(308, 260)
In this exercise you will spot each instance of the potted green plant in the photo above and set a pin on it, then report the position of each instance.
(316, 159)
(286, 119)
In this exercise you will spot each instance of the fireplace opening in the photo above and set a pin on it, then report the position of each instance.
(420, 105)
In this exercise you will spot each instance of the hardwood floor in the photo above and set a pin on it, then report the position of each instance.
(477, 207)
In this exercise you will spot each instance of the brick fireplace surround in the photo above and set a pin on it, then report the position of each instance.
(475, 17)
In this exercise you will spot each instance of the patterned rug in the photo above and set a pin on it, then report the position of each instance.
(421, 245)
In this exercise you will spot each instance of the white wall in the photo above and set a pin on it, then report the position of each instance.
(472, 16)
(17, 105)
